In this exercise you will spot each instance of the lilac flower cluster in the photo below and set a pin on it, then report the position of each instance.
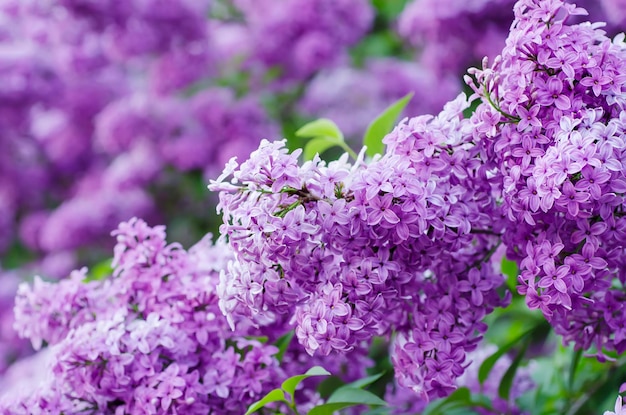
(403, 401)
(554, 127)
(100, 91)
(150, 339)
(453, 34)
(402, 244)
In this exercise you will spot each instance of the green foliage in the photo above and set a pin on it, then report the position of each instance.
(290, 384)
(323, 134)
(510, 270)
(570, 383)
(343, 397)
(506, 382)
(489, 363)
(288, 387)
(361, 383)
(100, 271)
(275, 395)
(459, 399)
(17, 256)
(382, 125)
(346, 397)
(283, 343)
(389, 9)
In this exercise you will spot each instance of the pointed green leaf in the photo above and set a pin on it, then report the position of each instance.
(488, 364)
(330, 408)
(283, 343)
(361, 383)
(276, 395)
(100, 271)
(318, 145)
(507, 380)
(379, 410)
(290, 384)
(321, 128)
(459, 398)
(354, 395)
(576, 356)
(382, 125)
(510, 270)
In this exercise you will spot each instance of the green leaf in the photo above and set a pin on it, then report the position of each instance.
(321, 128)
(357, 396)
(576, 356)
(260, 339)
(276, 395)
(283, 343)
(361, 383)
(382, 125)
(488, 364)
(507, 379)
(17, 256)
(100, 271)
(459, 398)
(380, 410)
(389, 8)
(328, 386)
(509, 268)
(345, 397)
(317, 146)
(290, 384)
(330, 408)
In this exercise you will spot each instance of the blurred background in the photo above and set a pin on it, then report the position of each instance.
(111, 109)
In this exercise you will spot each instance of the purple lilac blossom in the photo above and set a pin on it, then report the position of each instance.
(403, 401)
(620, 408)
(409, 235)
(451, 35)
(12, 347)
(355, 251)
(553, 125)
(149, 339)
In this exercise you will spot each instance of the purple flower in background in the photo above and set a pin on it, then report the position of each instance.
(301, 37)
(352, 97)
